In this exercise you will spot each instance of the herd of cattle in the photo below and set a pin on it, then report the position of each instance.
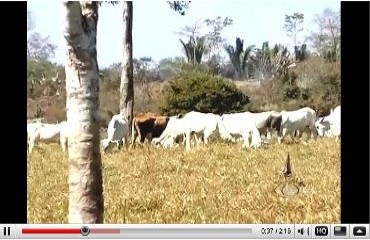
(175, 130)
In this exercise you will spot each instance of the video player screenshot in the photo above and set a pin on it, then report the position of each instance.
(185, 120)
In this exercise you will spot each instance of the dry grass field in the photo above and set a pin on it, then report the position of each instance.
(220, 183)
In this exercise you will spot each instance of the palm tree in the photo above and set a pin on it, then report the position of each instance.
(300, 53)
(270, 62)
(195, 48)
(86, 204)
(245, 62)
(239, 57)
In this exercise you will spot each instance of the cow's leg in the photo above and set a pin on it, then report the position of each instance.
(198, 139)
(63, 143)
(120, 143)
(149, 137)
(268, 135)
(31, 143)
(203, 140)
(187, 139)
(265, 133)
(142, 136)
(183, 139)
(106, 144)
(282, 134)
(291, 134)
(133, 138)
(246, 138)
(314, 131)
(194, 140)
(256, 140)
(309, 133)
(206, 137)
(134, 134)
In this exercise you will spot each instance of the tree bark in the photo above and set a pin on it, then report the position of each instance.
(127, 83)
(86, 204)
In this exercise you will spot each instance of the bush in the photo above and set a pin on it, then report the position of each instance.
(305, 93)
(56, 112)
(291, 92)
(203, 92)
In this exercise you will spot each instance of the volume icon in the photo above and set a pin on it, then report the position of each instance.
(301, 231)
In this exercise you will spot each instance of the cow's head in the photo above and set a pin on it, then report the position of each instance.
(274, 122)
(321, 127)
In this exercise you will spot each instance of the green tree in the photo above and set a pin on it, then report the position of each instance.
(38, 47)
(300, 53)
(179, 6)
(195, 48)
(200, 91)
(127, 81)
(145, 70)
(170, 67)
(39, 52)
(271, 62)
(327, 40)
(292, 25)
(216, 41)
(239, 57)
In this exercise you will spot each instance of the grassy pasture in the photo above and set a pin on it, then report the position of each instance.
(219, 183)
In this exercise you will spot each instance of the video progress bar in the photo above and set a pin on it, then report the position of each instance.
(188, 233)
(68, 231)
(137, 233)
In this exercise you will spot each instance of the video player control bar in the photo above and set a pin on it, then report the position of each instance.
(184, 231)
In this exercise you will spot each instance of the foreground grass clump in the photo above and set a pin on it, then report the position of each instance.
(220, 183)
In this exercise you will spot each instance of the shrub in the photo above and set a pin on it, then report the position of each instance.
(55, 113)
(291, 92)
(305, 93)
(203, 92)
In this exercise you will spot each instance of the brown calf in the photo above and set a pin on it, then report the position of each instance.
(148, 126)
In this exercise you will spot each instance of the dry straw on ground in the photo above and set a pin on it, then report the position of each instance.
(220, 183)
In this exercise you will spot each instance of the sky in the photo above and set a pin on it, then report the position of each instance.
(156, 26)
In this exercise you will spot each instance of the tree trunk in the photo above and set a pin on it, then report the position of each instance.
(86, 204)
(127, 82)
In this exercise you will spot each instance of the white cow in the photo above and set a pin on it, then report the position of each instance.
(203, 125)
(41, 131)
(302, 120)
(173, 131)
(118, 131)
(330, 125)
(63, 126)
(264, 121)
(241, 124)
